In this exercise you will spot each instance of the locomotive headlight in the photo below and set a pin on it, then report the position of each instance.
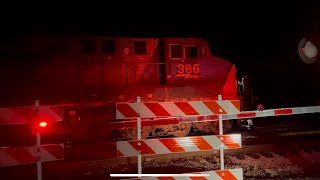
(308, 52)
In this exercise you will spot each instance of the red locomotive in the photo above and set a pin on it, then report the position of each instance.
(73, 71)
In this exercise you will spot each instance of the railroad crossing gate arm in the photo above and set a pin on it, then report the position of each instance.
(272, 112)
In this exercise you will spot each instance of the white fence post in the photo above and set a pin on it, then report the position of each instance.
(139, 135)
(221, 133)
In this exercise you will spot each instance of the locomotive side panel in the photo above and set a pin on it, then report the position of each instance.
(129, 67)
(65, 69)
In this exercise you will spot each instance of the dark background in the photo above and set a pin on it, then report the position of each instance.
(260, 38)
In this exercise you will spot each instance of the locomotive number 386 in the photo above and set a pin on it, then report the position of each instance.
(187, 69)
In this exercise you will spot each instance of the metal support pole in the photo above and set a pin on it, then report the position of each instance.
(221, 150)
(38, 144)
(139, 135)
(39, 166)
(221, 133)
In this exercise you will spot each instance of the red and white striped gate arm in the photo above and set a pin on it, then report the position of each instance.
(180, 108)
(176, 145)
(31, 154)
(272, 112)
(228, 174)
(25, 115)
(200, 118)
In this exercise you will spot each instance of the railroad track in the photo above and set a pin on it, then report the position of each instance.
(303, 145)
(265, 160)
(250, 142)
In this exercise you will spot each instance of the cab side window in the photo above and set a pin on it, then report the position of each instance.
(108, 46)
(88, 46)
(140, 47)
(191, 51)
(176, 51)
(202, 51)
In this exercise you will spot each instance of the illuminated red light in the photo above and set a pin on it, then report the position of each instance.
(43, 124)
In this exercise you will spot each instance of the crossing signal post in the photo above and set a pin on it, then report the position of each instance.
(40, 124)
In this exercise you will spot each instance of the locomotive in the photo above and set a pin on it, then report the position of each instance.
(80, 70)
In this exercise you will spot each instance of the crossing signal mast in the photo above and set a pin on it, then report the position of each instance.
(41, 124)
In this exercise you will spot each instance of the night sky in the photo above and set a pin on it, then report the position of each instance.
(260, 38)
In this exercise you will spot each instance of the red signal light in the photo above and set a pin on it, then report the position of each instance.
(43, 124)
